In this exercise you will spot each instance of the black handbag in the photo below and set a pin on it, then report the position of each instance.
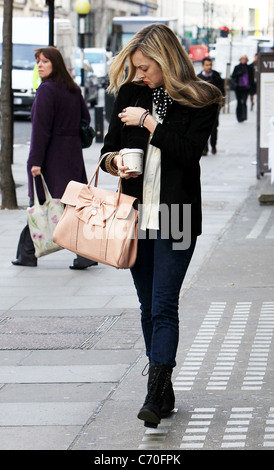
(87, 133)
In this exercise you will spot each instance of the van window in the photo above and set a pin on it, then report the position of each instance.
(95, 57)
(22, 56)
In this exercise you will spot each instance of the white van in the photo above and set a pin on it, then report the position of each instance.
(29, 34)
(98, 58)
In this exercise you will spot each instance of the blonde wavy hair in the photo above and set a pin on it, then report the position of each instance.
(159, 43)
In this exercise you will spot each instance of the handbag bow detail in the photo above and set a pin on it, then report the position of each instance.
(99, 224)
(89, 206)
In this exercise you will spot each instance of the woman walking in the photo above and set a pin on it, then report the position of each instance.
(243, 76)
(164, 109)
(55, 149)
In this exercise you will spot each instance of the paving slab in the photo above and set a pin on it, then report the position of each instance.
(61, 374)
(37, 437)
(46, 414)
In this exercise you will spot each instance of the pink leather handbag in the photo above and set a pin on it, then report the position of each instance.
(98, 224)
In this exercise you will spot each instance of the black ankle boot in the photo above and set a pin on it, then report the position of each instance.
(158, 382)
(169, 396)
(168, 401)
(30, 262)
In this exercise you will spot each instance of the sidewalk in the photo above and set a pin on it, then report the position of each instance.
(71, 348)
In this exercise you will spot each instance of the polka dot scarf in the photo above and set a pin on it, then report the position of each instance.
(162, 101)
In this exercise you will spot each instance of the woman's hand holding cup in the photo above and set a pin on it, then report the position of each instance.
(118, 162)
(124, 170)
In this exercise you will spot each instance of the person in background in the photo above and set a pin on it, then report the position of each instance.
(253, 86)
(243, 76)
(55, 149)
(165, 110)
(213, 77)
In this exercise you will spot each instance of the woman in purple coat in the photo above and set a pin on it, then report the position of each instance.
(55, 149)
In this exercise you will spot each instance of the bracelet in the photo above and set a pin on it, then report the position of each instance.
(143, 117)
(108, 164)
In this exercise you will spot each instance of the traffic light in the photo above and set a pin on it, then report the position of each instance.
(224, 31)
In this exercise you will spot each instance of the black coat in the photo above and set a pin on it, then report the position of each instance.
(55, 139)
(239, 70)
(181, 139)
(215, 80)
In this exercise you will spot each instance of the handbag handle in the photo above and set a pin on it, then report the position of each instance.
(46, 190)
(96, 175)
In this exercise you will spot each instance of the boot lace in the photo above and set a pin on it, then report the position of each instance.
(158, 384)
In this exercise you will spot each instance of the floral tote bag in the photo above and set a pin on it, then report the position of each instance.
(42, 220)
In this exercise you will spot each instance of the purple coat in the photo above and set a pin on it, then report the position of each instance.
(55, 138)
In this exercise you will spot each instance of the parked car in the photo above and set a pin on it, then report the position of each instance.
(98, 58)
(91, 82)
(198, 52)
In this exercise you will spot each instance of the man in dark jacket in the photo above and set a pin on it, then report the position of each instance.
(215, 78)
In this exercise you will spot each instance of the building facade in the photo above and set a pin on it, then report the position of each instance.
(195, 17)
(98, 21)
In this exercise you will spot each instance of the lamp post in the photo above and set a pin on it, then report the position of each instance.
(82, 7)
(50, 4)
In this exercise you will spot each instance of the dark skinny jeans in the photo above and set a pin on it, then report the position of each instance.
(158, 275)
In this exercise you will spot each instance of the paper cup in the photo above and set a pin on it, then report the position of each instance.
(133, 158)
